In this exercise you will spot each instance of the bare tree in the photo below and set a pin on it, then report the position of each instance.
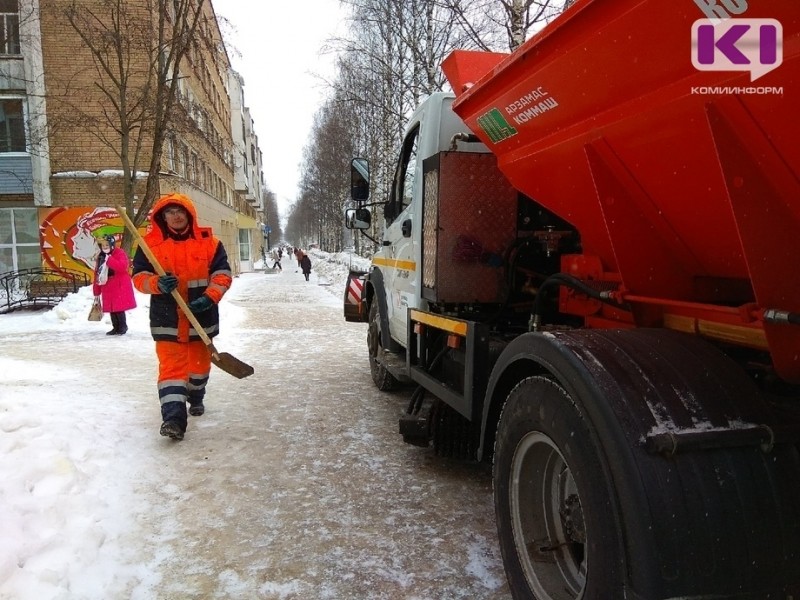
(390, 62)
(324, 188)
(137, 48)
(271, 215)
(482, 20)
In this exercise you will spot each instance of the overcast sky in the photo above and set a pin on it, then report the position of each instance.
(280, 60)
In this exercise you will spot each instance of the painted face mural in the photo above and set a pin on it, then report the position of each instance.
(69, 235)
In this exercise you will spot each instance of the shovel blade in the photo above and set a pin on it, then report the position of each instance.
(232, 365)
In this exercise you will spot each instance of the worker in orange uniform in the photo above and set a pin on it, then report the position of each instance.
(197, 266)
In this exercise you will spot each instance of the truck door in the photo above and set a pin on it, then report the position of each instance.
(400, 235)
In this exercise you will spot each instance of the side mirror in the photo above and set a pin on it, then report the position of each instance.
(357, 218)
(359, 179)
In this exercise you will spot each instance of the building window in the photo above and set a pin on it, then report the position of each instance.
(194, 175)
(9, 27)
(184, 165)
(12, 126)
(19, 239)
(171, 154)
(244, 244)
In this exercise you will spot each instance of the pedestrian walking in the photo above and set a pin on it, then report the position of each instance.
(276, 260)
(197, 266)
(112, 284)
(305, 264)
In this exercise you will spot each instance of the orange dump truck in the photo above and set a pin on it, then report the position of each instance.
(590, 269)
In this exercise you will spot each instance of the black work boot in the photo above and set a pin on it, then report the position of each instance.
(197, 409)
(171, 429)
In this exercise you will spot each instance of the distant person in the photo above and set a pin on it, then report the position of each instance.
(276, 260)
(305, 264)
(112, 284)
(298, 254)
(197, 266)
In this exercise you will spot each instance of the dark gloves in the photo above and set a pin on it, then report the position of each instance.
(167, 283)
(201, 304)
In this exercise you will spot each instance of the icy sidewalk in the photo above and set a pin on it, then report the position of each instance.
(294, 484)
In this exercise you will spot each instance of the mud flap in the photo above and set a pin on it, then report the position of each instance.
(355, 309)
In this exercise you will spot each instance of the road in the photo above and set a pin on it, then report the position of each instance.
(295, 484)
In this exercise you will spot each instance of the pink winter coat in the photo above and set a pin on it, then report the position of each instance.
(117, 294)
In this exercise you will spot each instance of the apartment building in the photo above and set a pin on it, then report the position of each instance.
(60, 163)
(248, 175)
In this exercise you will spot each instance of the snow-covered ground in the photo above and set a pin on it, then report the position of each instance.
(294, 484)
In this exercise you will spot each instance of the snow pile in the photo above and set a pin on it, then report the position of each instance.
(332, 269)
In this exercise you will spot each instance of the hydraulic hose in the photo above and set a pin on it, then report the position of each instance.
(469, 138)
(559, 279)
(415, 404)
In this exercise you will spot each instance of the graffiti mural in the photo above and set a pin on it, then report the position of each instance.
(68, 235)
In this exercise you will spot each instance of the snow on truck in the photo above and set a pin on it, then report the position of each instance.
(590, 269)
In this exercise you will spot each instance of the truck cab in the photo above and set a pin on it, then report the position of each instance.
(431, 130)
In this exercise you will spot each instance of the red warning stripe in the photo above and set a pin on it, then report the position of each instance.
(354, 289)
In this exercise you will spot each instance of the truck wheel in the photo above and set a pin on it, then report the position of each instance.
(554, 513)
(380, 375)
(589, 507)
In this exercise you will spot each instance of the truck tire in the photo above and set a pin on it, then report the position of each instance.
(554, 513)
(576, 443)
(381, 377)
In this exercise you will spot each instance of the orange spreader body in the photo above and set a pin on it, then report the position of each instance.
(685, 183)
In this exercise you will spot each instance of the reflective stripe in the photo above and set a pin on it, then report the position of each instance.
(173, 331)
(173, 398)
(222, 272)
(405, 265)
(457, 326)
(196, 283)
(210, 330)
(171, 383)
(172, 390)
(197, 382)
(355, 290)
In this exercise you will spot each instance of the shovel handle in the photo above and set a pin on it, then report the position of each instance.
(160, 270)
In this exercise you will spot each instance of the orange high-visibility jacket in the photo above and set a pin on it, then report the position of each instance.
(197, 259)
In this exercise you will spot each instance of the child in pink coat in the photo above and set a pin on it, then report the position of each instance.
(112, 283)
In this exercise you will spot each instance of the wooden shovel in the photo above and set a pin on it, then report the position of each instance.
(223, 360)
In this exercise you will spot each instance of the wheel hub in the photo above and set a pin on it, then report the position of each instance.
(572, 519)
(547, 520)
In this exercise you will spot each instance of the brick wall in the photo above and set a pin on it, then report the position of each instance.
(95, 191)
(80, 134)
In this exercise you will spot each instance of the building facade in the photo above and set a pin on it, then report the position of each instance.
(61, 168)
(248, 158)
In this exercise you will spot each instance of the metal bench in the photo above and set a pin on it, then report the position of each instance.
(38, 288)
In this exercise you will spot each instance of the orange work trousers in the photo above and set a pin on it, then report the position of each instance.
(183, 369)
